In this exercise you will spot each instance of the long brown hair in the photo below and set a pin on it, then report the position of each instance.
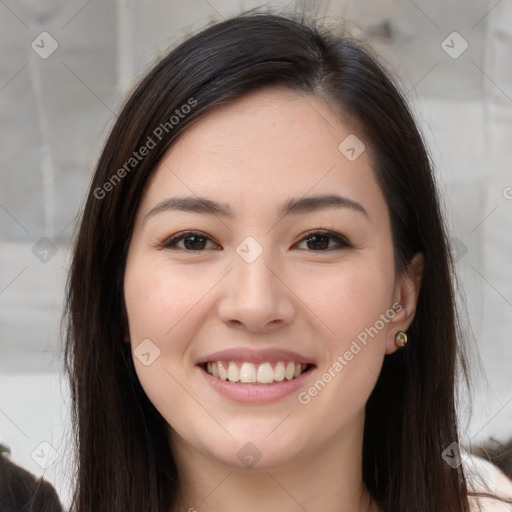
(124, 461)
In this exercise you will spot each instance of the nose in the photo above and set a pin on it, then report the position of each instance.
(256, 296)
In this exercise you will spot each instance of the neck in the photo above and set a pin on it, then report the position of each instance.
(325, 477)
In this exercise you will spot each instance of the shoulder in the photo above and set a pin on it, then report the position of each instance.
(484, 477)
(488, 505)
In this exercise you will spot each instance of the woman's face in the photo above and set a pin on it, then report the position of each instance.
(291, 261)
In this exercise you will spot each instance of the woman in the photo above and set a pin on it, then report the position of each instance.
(260, 304)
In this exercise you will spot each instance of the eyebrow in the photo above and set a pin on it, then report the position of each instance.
(294, 206)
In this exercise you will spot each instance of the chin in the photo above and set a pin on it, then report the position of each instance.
(253, 452)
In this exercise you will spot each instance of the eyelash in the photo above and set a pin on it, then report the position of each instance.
(171, 242)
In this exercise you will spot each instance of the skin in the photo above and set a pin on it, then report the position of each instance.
(255, 154)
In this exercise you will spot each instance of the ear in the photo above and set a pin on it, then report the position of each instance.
(407, 289)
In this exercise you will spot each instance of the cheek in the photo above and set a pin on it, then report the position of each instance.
(351, 300)
(160, 306)
(168, 305)
(159, 298)
(354, 305)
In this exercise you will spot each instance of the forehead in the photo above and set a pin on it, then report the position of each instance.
(260, 148)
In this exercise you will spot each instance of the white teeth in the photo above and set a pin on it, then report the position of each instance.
(233, 372)
(279, 371)
(247, 373)
(265, 373)
(250, 373)
(223, 374)
(290, 370)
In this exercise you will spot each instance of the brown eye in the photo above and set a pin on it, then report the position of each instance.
(192, 241)
(321, 241)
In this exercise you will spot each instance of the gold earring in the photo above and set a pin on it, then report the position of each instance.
(400, 339)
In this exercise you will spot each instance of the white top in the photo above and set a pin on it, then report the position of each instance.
(483, 476)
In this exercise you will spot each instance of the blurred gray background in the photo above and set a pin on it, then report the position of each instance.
(65, 68)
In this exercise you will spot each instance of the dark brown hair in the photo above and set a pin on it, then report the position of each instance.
(21, 491)
(124, 461)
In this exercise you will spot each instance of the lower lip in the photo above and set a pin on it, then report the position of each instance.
(256, 393)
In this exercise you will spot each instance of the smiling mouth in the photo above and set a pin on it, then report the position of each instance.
(266, 373)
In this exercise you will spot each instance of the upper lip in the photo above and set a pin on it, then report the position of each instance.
(256, 356)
